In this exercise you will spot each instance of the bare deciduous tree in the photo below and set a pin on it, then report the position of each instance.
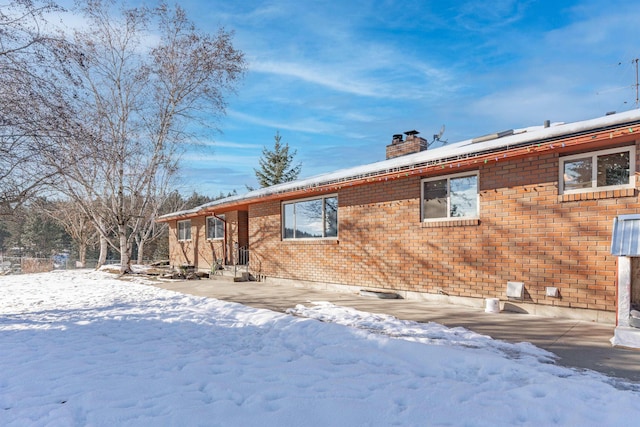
(32, 112)
(76, 223)
(149, 230)
(147, 75)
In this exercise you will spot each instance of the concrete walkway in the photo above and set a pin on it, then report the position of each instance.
(578, 343)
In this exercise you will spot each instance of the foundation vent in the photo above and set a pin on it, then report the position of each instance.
(515, 290)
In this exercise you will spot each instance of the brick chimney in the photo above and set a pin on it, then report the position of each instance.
(413, 144)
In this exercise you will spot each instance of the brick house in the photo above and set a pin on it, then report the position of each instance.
(522, 215)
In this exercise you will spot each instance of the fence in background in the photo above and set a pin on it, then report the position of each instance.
(17, 265)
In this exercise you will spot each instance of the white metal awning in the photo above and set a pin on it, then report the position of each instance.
(626, 236)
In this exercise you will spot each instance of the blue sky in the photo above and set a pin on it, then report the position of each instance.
(337, 79)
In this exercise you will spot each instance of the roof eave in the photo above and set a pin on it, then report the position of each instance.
(622, 133)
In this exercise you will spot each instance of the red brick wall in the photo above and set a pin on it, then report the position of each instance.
(243, 231)
(184, 252)
(202, 252)
(526, 232)
(208, 249)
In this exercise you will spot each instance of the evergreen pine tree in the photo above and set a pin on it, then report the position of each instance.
(275, 165)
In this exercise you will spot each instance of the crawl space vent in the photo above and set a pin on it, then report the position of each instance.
(515, 290)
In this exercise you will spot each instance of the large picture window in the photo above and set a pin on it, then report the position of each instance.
(454, 196)
(608, 169)
(310, 218)
(184, 230)
(215, 227)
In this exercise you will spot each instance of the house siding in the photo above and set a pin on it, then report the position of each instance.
(526, 232)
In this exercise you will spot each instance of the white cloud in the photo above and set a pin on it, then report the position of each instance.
(199, 159)
(309, 125)
(408, 79)
(319, 76)
(229, 144)
(482, 15)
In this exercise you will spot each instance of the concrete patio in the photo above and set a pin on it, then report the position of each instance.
(578, 343)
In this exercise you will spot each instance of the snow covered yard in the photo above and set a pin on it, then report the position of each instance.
(83, 348)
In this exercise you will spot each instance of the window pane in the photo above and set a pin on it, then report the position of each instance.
(435, 199)
(577, 174)
(613, 169)
(211, 228)
(308, 219)
(316, 218)
(184, 230)
(464, 196)
(219, 231)
(289, 222)
(331, 217)
(215, 227)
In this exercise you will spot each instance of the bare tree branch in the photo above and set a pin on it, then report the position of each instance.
(137, 100)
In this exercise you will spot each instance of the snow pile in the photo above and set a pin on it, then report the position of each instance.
(82, 348)
(426, 333)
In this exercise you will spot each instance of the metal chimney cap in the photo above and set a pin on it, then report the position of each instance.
(411, 132)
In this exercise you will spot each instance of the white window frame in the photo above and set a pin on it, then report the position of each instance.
(184, 226)
(293, 202)
(448, 178)
(594, 172)
(218, 218)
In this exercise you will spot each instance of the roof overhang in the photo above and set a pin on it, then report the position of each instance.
(465, 159)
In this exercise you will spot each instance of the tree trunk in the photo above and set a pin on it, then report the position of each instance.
(82, 255)
(104, 246)
(125, 250)
(140, 252)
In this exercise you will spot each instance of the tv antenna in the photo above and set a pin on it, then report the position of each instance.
(636, 64)
(436, 137)
(635, 61)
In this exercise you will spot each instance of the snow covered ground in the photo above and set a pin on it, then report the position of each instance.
(84, 349)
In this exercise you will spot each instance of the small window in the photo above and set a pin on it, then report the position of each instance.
(455, 196)
(608, 169)
(184, 230)
(215, 227)
(310, 219)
